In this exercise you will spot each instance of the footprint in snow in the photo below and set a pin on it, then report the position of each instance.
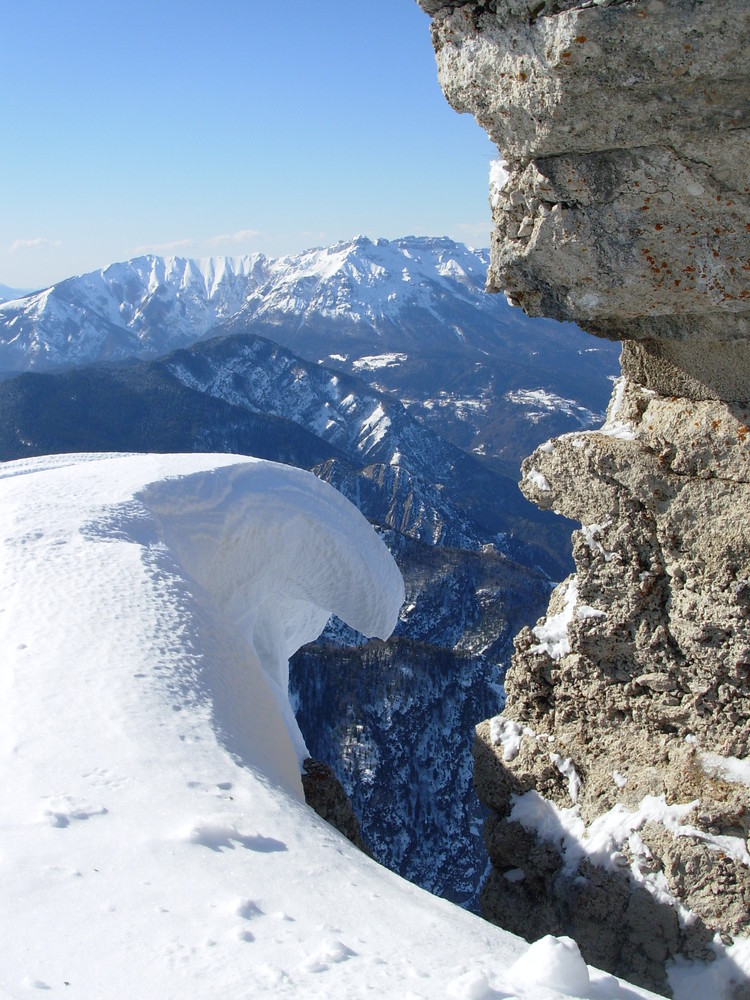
(62, 809)
(218, 836)
(330, 953)
(210, 789)
(248, 909)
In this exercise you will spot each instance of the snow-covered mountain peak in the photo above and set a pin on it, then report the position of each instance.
(150, 305)
(424, 256)
(368, 281)
(137, 308)
(208, 274)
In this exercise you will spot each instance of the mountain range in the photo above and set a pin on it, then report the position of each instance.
(408, 316)
(384, 368)
(150, 305)
(7, 293)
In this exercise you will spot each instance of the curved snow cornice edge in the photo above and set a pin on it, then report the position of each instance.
(277, 551)
(203, 574)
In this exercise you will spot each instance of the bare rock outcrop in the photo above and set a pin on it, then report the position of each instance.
(326, 795)
(630, 700)
(618, 773)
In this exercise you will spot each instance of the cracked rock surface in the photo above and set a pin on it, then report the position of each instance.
(625, 130)
(624, 127)
(648, 695)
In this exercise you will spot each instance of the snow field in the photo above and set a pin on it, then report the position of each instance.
(153, 838)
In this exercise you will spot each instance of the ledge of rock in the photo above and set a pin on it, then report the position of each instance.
(618, 775)
(634, 689)
(625, 130)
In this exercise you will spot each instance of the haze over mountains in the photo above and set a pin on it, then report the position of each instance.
(7, 293)
(384, 368)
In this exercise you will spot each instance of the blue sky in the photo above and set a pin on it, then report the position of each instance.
(192, 128)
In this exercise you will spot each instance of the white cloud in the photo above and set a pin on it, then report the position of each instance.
(39, 243)
(164, 247)
(241, 236)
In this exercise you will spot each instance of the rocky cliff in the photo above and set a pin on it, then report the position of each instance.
(618, 774)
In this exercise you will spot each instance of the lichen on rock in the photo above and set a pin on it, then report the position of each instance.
(624, 131)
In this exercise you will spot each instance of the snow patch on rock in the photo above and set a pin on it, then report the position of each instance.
(509, 734)
(552, 633)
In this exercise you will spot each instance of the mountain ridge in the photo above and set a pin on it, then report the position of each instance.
(115, 312)
(409, 316)
(246, 393)
(361, 394)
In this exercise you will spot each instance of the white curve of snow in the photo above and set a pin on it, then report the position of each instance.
(153, 841)
(278, 551)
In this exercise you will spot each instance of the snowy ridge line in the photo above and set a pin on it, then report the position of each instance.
(274, 549)
(26, 466)
(311, 395)
(151, 305)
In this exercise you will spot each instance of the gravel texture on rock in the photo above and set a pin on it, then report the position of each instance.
(625, 131)
(617, 777)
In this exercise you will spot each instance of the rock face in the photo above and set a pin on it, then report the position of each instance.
(624, 127)
(326, 795)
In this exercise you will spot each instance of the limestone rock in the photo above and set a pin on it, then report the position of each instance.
(625, 129)
(325, 794)
(624, 126)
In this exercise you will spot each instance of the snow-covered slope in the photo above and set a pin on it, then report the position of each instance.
(150, 305)
(153, 841)
(256, 374)
(368, 281)
(407, 315)
(428, 479)
(140, 308)
(246, 394)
